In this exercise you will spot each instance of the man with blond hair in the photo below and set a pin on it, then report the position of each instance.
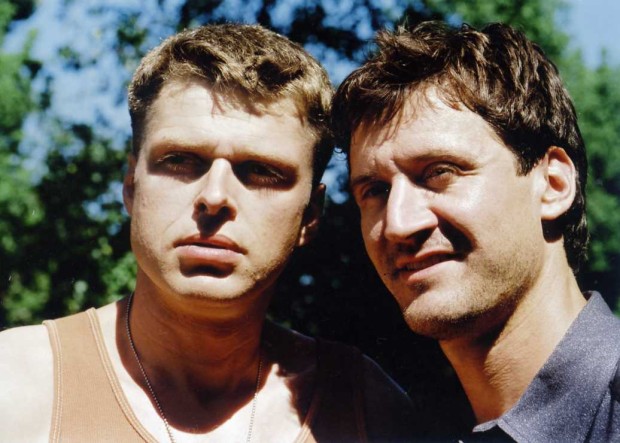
(230, 139)
(469, 171)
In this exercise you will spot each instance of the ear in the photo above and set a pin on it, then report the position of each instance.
(312, 216)
(129, 183)
(560, 187)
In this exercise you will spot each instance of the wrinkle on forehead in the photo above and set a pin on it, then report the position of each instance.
(232, 100)
(375, 132)
(424, 99)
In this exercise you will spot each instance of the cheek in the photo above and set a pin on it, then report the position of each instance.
(167, 196)
(158, 209)
(372, 231)
(498, 215)
(279, 222)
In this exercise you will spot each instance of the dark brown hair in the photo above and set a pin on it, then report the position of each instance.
(247, 63)
(498, 74)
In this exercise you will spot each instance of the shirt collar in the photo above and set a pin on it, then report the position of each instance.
(562, 400)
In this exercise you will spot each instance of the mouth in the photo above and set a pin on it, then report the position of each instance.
(215, 255)
(422, 262)
(212, 242)
(206, 270)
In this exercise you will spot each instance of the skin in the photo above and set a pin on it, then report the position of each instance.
(206, 191)
(456, 235)
(219, 197)
(204, 194)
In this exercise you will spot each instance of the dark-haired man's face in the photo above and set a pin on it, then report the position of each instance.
(454, 232)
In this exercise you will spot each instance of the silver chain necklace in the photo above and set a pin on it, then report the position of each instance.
(160, 410)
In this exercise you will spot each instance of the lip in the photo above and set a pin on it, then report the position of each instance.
(218, 241)
(421, 263)
(215, 251)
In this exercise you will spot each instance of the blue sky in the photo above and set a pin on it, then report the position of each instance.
(593, 24)
(92, 94)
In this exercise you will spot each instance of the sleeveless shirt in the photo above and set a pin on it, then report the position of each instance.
(89, 404)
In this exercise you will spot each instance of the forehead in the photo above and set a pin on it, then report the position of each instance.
(189, 113)
(427, 127)
(195, 95)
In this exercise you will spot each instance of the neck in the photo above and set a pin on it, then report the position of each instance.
(495, 368)
(202, 360)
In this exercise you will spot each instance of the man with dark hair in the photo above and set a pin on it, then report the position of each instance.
(230, 138)
(469, 171)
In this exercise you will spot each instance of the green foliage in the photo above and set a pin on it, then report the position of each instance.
(597, 97)
(19, 203)
(534, 17)
(82, 235)
(7, 11)
(596, 94)
(15, 100)
(23, 302)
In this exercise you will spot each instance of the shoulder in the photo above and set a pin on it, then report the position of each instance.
(389, 410)
(615, 383)
(25, 355)
(294, 352)
(26, 383)
(349, 380)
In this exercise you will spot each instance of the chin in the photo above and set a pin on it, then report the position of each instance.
(208, 288)
(440, 317)
(211, 296)
(448, 322)
(438, 328)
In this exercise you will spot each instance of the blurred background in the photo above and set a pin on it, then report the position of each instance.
(64, 137)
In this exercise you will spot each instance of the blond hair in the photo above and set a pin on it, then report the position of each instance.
(248, 64)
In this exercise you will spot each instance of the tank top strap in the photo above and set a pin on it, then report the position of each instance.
(86, 406)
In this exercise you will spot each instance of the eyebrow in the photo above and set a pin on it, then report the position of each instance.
(360, 180)
(172, 144)
(282, 162)
(443, 153)
(434, 154)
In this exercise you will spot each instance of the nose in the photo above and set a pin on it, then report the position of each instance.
(408, 211)
(215, 195)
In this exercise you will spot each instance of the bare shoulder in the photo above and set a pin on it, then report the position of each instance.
(26, 384)
(390, 414)
(25, 357)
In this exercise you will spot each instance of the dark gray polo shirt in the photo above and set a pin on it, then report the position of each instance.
(575, 397)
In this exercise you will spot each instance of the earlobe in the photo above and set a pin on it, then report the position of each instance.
(312, 216)
(129, 183)
(560, 187)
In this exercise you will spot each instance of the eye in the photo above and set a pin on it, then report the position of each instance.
(372, 190)
(439, 175)
(254, 173)
(180, 163)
